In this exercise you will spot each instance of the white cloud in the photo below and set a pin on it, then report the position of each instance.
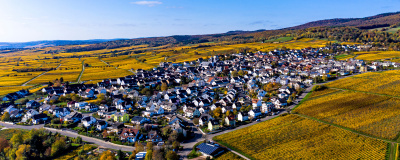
(147, 3)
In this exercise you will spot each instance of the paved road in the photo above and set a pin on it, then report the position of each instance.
(83, 70)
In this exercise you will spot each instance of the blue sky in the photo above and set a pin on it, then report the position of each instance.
(29, 20)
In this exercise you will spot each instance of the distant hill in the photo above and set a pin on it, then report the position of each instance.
(33, 44)
(380, 20)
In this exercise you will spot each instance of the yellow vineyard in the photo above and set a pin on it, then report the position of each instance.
(387, 83)
(294, 137)
(368, 113)
(377, 55)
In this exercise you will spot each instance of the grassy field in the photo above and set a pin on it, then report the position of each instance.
(294, 137)
(343, 57)
(8, 133)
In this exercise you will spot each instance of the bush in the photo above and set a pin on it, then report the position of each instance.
(319, 88)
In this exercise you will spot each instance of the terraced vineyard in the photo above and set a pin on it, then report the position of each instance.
(295, 137)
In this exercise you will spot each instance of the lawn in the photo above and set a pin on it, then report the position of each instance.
(343, 57)
(294, 137)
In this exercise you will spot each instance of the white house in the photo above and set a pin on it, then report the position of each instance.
(88, 121)
(243, 116)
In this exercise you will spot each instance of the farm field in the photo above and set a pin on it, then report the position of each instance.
(18, 79)
(386, 83)
(294, 137)
(344, 57)
(103, 73)
(377, 55)
(6, 90)
(372, 114)
(68, 75)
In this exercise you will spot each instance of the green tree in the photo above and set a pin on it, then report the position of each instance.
(176, 145)
(16, 140)
(217, 112)
(120, 155)
(58, 146)
(149, 155)
(164, 87)
(158, 155)
(23, 152)
(5, 117)
(78, 140)
(171, 155)
(241, 73)
(234, 73)
(107, 155)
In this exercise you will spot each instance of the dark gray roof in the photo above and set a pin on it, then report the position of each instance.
(208, 148)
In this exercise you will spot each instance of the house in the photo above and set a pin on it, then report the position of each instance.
(116, 127)
(168, 106)
(139, 120)
(39, 118)
(230, 120)
(101, 125)
(80, 105)
(210, 150)
(73, 117)
(129, 135)
(32, 104)
(91, 107)
(255, 113)
(213, 125)
(88, 121)
(71, 104)
(120, 117)
(153, 136)
(29, 114)
(243, 116)
(204, 118)
(61, 112)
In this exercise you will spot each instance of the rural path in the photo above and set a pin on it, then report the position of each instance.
(130, 70)
(38, 76)
(83, 70)
(105, 62)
